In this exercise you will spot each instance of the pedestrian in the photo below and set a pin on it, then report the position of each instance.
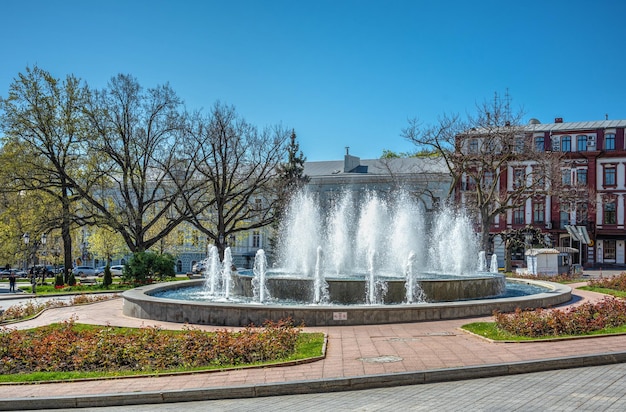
(12, 282)
(33, 281)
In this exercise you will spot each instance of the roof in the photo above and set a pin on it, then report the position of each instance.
(573, 126)
(408, 165)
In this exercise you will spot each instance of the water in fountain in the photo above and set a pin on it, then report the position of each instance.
(494, 264)
(320, 286)
(227, 273)
(482, 261)
(414, 292)
(372, 236)
(212, 271)
(258, 282)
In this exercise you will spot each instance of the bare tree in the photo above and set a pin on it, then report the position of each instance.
(238, 164)
(142, 167)
(480, 152)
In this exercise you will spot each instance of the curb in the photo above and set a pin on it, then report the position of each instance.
(313, 386)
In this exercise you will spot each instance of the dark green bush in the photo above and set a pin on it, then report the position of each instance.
(58, 280)
(107, 278)
(145, 267)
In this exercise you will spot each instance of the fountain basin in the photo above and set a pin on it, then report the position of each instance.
(140, 303)
(352, 290)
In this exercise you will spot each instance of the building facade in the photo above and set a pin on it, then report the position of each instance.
(593, 164)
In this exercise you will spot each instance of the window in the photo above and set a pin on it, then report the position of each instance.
(566, 177)
(609, 249)
(566, 143)
(609, 141)
(539, 144)
(470, 183)
(519, 175)
(581, 177)
(488, 179)
(539, 212)
(258, 205)
(609, 176)
(473, 146)
(609, 213)
(582, 213)
(581, 142)
(518, 215)
(256, 239)
(564, 216)
(519, 144)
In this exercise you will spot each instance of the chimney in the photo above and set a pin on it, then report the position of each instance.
(350, 163)
(558, 120)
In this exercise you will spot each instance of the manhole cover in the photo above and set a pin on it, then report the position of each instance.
(404, 339)
(440, 334)
(382, 359)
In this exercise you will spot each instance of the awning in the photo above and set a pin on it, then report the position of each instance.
(578, 233)
(566, 249)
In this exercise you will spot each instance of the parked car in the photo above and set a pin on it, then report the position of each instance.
(54, 269)
(100, 270)
(116, 270)
(200, 266)
(49, 269)
(84, 271)
(17, 272)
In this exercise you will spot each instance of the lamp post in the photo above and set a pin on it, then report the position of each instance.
(26, 239)
(56, 252)
(44, 240)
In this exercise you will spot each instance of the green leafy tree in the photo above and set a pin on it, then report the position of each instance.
(105, 242)
(46, 138)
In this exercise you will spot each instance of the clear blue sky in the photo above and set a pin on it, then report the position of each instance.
(341, 73)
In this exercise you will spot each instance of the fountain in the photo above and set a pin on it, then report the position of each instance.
(494, 264)
(374, 260)
(258, 283)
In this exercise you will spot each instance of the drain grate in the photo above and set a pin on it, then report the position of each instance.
(382, 359)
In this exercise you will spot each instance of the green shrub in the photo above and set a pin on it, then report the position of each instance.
(145, 267)
(107, 278)
(71, 280)
(58, 280)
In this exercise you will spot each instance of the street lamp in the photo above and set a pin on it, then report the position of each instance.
(26, 239)
(44, 239)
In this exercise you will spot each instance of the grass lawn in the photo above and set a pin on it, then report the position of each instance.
(490, 331)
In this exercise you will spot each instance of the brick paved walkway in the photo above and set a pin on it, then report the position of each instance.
(352, 351)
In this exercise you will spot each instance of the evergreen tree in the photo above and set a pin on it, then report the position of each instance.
(291, 173)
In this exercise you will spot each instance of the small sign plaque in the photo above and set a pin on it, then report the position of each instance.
(340, 315)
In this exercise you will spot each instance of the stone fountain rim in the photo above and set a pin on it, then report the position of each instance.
(145, 293)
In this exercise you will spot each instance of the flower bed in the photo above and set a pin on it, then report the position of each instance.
(70, 347)
(582, 319)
